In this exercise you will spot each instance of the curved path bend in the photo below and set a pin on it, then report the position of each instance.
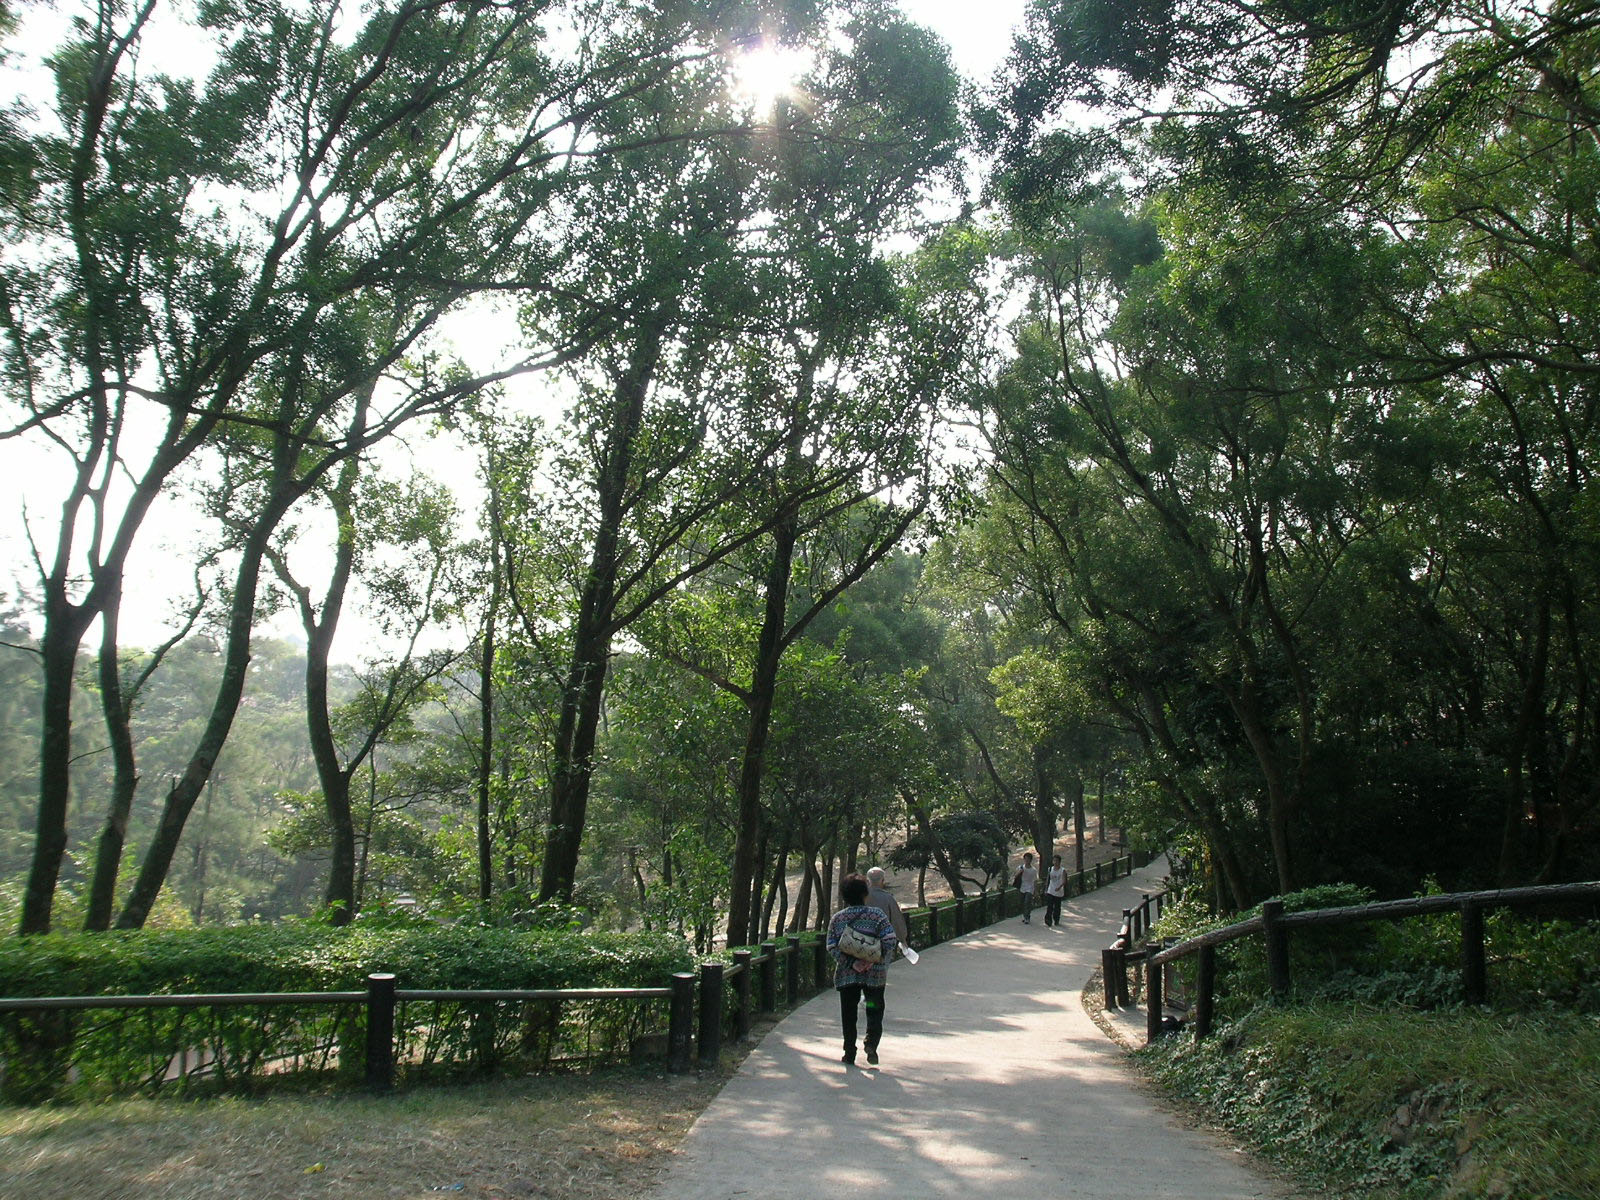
(994, 1081)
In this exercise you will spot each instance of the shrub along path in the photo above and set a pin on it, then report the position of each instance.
(994, 1081)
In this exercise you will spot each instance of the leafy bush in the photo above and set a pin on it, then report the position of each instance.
(1315, 955)
(1554, 963)
(1412, 961)
(307, 957)
(1378, 1102)
(117, 1050)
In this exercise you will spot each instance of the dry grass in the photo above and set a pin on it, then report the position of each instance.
(599, 1137)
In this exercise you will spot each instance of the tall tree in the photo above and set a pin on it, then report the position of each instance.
(412, 594)
(189, 243)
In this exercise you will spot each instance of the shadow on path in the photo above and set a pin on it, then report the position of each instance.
(994, 1081)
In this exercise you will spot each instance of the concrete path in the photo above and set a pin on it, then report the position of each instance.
(994, 1081)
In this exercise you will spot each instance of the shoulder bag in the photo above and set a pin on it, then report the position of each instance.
(860, 945)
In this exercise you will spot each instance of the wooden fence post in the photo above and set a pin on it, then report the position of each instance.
(1110, 963)
(380, 1032)
(1277, 948)
(821, 965)
(742, 962)
(1474, 971)
(791, 973)
(1098, 881)
(983, 909)
(1153, 997)
(1206, 992)
(680, 1023)
(769, 977)
(710, 1013)
(933, 924)
(961, 915)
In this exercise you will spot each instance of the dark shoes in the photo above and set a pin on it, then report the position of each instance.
(872, 1057)
(849, 1056)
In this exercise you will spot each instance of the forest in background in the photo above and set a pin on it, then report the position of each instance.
(1222, 454)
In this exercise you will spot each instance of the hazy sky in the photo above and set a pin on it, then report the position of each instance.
(978, 31)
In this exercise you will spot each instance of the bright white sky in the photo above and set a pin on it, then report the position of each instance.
(979, 35)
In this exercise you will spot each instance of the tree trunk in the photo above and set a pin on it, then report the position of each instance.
(486, 739)
(827, 890)
(572, 755)
(941, 860)
(763, 689)
(1532, 703)
(1078, 821)
(186, 789)
(1044, 810)
(820, 894)
(779, 887)
(198, 865)
(756, 877)
(802, 904)
(58, 650)
(364, 857)
(339, 897)
(778, 893)
(124, 780)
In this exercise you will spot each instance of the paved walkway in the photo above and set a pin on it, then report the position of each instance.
(994, 1081)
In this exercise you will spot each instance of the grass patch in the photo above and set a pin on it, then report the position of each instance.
(1457, 1104)
(584, 1137)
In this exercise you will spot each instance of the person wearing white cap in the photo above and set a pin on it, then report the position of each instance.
(879, 896)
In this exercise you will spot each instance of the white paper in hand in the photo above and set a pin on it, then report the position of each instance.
(911, 955)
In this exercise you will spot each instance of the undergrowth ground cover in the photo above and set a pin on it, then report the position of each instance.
(574, 1137)
(1360, 1101)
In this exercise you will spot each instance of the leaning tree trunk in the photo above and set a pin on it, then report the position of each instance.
(763, 690)
(572, 754)
(181, 797)
(124, 780)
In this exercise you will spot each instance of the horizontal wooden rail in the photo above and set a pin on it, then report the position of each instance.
(207, 1000)
(1276, 925)
(748, 984)
(514, 994)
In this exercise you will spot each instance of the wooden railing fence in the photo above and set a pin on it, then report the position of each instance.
(703, 1008)
(1277, 926)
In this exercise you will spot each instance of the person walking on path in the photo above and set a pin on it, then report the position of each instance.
(879, 896)
(1055, 890)
(942, 1121)
(1026, 880)
(855, 976)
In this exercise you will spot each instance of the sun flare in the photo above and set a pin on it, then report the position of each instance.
(767, 73)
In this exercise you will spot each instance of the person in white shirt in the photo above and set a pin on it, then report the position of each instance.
(1055, 889)
(1027, 880)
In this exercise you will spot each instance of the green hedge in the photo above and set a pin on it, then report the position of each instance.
(80, 1053)
(312, 958)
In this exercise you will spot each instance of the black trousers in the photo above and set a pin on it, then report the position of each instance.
(849, 1000)
(1052, 909)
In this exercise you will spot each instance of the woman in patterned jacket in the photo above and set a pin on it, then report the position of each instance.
(855, 977)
